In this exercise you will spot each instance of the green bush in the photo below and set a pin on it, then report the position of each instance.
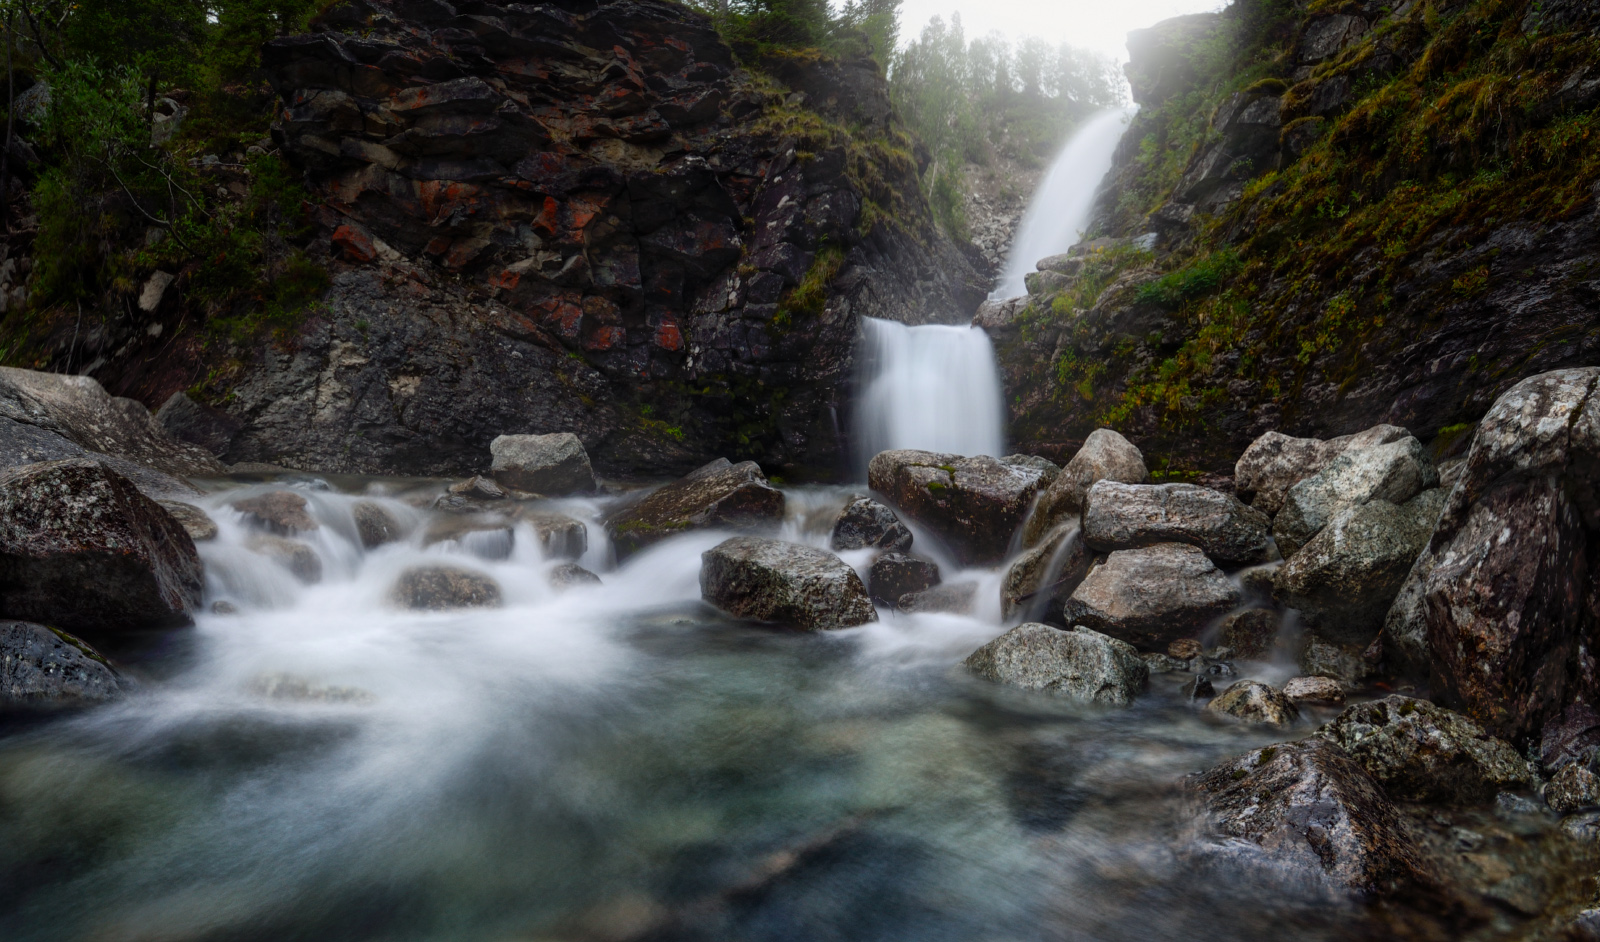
(1199, 277)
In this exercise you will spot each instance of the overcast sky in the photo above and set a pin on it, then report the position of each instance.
(1095, 24)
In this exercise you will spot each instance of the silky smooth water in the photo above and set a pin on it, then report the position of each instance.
(611, 763)
(931, 387)
(1060, 209)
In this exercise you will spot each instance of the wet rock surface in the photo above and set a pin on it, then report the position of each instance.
(303, 562)
(1254, 702)
(1250, 633)
(867, 524)
(720, 494)
(1150, 596)
(1042, 578)
(1422, 752)
(442, 588)
(1079, 663)
(376, 525)
(555, 465)
(1395, 472)
(282, 512)
(774, 581)
(895, 574)
(559, 536)
(1105, 456)
(1127, 516)
(572, 576)
(83, 549)
(1574, 788)
(42, 669)
(957, 598)
(1307, 813)
(973, 504)
(195, 522)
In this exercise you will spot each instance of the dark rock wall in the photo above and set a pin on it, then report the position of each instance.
(585, 217)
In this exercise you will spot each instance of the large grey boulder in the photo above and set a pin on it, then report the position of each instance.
(1345, 579)
(1305, 812)
(81, 548)
(973, 504)
(442, 588)
(770, 580)
(42, 668)
(1105, 456)
(1276, 462)
(555, 465)
(1120, 516)
(1152, 596)
(1395, 472)
(719, 495)
(1078, 662)
(1421, 752)
(1041, 579)
(867, 524)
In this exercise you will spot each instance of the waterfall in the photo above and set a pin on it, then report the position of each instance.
(930, 387)
(1060, 208)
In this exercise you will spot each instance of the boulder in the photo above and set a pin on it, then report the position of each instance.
(973, 504)
(559, 536)
(1250, 633)
(440, 588)
(1276, 462)
(199, 425)
(1185, 649)
(896, 574)
(300, 559)
(83, 549)
(1395, 472)
(1313, 690)
(719, 495)
(1080, 663)
(376, 524)
(958, 598)
(1346, 578)
(1421, 752)
(1320, 658)
(1041, 579)
(1048, 470)
(1119, 516)
(42, 668)
(571, 576)
(1574, 788)
(1506, 577)
(282, 512)
(1255, 702)
(1105, 456)
(477, 487)
(1306, 812)
(770, 580)
(554, 465)
(867, 524)
(1149, 596)
(194, 521)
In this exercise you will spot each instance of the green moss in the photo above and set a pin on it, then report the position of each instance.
(1198, 277)
(1267, 86)
(805, 301)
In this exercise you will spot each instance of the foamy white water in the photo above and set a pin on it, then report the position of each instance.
(932, 387)
(1060, 208)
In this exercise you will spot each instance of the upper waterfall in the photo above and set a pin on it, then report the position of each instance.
(1059, 210)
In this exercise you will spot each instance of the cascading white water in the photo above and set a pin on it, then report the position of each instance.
(1059, 210)
(932, 387)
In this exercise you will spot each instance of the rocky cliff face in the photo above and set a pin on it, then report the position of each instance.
(585, 217)
(1367, 213)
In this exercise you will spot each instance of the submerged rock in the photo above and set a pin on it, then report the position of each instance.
(194, 521)
(1127, 516)
(560, 536)
(555, 465)
(376, 525)
(1395, 472)
(770, 580)
(1044, 577)
(1307, 813)
(571, 576)
(1276, 462)
(719, 495)
(282, 512)
(867, 524)
(439, 588)
(41, 668)
(1255, 702)
(1346, 578)
(973, 504)
(1251, 633)
(957, 598)
(1105, 456)
(82, 548)
(1422, 752)
(301, 560)
(1150, 596)
(1081, 663)
(896, 574)
(485, 535)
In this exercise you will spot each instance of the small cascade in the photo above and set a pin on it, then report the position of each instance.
(932, 387)
(1060, 209)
